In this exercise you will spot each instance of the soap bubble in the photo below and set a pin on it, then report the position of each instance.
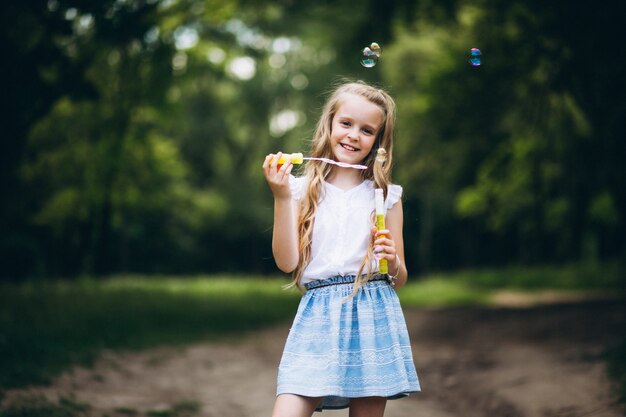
(381, 155)
(369, 58)
(370, 55)
(376, 49)
(476, 57)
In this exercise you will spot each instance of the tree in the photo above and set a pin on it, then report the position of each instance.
(497, 149)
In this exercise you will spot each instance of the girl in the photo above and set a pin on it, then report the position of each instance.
(348, 346)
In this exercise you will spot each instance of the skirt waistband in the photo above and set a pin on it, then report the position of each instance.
(339, 280)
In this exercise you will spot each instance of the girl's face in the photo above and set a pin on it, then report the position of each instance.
(354, 128)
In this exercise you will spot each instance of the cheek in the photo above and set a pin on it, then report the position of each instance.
(369, 144)
(336, 131)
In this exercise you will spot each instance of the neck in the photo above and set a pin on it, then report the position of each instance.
(344, 177)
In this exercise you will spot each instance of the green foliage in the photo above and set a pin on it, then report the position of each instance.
(499, 149)
(137, 129)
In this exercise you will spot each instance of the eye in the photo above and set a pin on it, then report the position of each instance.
(344, 123)
(368, 131)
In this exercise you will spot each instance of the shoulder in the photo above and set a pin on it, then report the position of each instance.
(394, 194)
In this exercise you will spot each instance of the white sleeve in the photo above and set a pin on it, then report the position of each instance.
(394, 193)
(296, 185)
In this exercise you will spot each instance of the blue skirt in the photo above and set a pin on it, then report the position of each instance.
(340, 348)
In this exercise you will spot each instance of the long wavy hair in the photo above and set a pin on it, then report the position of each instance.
(316, 173)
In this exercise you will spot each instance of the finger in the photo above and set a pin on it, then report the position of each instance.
(270, 158)
(284, 167)
(384, 240)
(389, 257)
(286, 164)
(385, 252)
(266, 162)
(286, 161)
(276, 158)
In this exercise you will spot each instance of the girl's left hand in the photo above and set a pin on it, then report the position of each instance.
(385, 247)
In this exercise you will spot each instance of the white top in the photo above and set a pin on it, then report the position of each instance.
(341, 230)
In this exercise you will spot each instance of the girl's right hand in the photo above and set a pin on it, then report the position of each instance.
(277, 176)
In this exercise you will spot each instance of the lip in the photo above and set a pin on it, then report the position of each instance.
(352, 148)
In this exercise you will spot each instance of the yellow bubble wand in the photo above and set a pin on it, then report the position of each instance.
(381, 158)
(380, 224)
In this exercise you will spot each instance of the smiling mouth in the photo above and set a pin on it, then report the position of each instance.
(348, 147)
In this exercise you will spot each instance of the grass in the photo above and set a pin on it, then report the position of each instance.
(45, 327)
(40, 406)
(479, 286)
(436, 291)
(37, 405)
(578, 276)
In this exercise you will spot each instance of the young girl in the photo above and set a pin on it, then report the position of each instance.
(349, 345)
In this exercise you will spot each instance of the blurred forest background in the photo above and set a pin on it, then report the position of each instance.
(134, 130)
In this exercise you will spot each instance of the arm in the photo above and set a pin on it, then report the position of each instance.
(390, 242)
(285, 233)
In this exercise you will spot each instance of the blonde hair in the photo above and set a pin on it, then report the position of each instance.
(379, 173)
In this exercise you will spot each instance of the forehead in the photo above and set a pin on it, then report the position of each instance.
(360, 109)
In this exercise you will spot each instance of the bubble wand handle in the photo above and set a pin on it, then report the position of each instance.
(296, 158)
(380, 224)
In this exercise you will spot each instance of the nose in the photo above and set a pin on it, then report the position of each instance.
(353, 133)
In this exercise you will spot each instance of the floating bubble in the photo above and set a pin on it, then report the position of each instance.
(370, 55)
(381, 155)
(368, 58)
(476, 57)
(376, 49)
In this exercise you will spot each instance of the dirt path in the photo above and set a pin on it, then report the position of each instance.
(541, 361)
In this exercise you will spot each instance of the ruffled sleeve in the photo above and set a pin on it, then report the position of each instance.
(296, 185)
(394, 193)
